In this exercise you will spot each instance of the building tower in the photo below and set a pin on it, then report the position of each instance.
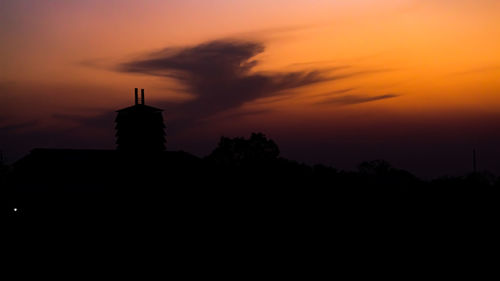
(140, 127)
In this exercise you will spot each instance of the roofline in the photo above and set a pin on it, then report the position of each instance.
(139, 105)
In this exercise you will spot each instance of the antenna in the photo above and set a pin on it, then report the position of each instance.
(136, 96)
(142, 96)
(474, 167)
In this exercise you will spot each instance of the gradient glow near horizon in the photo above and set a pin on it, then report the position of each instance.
(418, 81)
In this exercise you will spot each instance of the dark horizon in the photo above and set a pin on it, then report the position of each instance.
(454, 161)
(449, 154)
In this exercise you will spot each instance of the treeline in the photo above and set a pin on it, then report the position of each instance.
(241, 176)
(258, 157)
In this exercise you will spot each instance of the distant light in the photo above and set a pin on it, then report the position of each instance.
(15, 209)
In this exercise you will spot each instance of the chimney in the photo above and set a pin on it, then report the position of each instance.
(142, 96)
(136, 96)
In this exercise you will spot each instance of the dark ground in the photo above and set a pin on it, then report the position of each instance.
(244, 208)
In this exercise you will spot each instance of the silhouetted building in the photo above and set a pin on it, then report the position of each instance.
(140, 127)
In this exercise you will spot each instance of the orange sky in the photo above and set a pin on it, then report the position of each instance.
(439, 61)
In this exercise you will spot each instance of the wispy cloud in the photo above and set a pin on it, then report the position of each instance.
(490, 68)
(219, 75)
(18, 126)
(331, 93)
(93, 121)
(356, 99)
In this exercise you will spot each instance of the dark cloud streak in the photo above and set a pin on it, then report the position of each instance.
(356, 99)
(219, 75)
(18, 126)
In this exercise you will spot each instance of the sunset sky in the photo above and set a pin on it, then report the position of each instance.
(415, 82)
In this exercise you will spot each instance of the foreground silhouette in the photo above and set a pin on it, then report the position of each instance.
(241, 177)
(140, 127)
(241, 205)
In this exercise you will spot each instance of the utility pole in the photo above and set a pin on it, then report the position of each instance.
(474, 167)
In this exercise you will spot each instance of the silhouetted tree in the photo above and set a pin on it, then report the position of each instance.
(3, 173)
(375, 167)
(239, 151)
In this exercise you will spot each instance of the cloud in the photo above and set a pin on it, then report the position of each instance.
(104, 120)
(248, 113)
(17, 126)
(219, 75)
(491, 68)
(336, 92)
(356, 99)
